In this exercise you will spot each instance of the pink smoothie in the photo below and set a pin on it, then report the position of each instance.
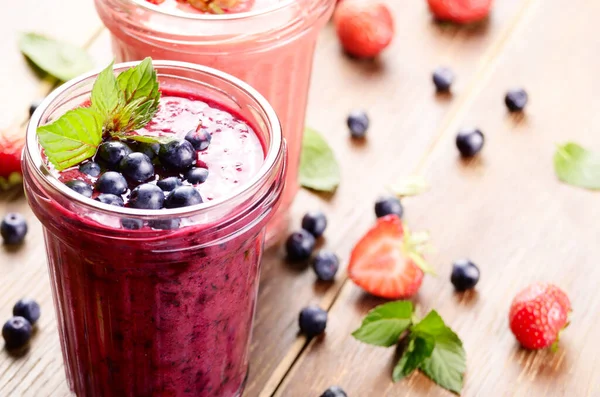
(161, 307)
(270, 47)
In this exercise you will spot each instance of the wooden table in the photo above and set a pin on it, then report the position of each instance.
(505, 210)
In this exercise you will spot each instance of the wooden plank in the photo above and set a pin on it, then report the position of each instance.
(507, 211)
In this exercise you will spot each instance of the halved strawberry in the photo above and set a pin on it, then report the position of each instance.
(387, 262)
(11, 146)
(460, 11)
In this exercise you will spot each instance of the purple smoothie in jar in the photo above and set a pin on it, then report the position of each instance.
(161, 302)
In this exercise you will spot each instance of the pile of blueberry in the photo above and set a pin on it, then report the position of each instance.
(13, 229)
(18, 329)
(128, 177)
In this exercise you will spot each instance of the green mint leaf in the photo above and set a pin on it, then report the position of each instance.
(319, 169)
(107, 97)
(577, 166)
(162, 139)
(59, 59)
(410, 186)
(385, 323)
(418, 349)
(447, 363)
(72, 138)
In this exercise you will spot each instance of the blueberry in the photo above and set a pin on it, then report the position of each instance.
(465, 275)
(299, 245)
(183, 196)
(132, 224)
(80, 187)
(388, 205)
(178, 155)
(325, 264)
(147, 196)
(516, 100)
(137, 167)
(196, 175)
(16, 332)
(90, 168)
(469, 142)
(443, 78)
(169, 183)
(13, 228)
(334, 391)
(358, 123)
(313, 321)
(199, 139)
(33, 107)
(113, 152)
(315, 223)
(165, 224)
(111, 182)
(149, 149)
(28, 309)
(110, 199)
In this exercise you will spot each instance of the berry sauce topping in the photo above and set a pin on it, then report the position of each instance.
(212, 153)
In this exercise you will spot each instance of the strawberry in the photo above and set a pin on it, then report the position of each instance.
(460, 11)
(364, 28)
(222, 6)
(11, 146)
(538, 314)
(386, 262)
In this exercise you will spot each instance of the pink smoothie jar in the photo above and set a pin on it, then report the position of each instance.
(157, 311)
(270, 47)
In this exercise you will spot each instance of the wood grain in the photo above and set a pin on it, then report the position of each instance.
(507, 212)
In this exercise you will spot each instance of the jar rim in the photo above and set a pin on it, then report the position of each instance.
(274, 151)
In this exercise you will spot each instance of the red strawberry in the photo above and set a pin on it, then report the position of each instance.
(386, 262)
(460, 11)
(538, 314)
(364, 28)
(11, 146)
(222, 6)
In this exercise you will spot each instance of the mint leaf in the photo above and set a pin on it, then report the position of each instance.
(106, 96)
(133, 136)
(577, 166)
(447, 364)
(418, 349)
(319, 169)
(72, 138)
(410, 186)
(384, 324)
(57, 58)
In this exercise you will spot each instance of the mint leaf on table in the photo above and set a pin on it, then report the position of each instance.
(577, 166)
(384, 324)
(319, 169)
(410, 186)
(419, 348)
(57, 58)
(72, 138)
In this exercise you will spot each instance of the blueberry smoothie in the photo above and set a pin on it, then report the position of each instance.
(267, 43)
(154, 241)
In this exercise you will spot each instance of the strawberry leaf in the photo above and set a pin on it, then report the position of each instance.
(384, 324)
(419, 348)
(319, 169)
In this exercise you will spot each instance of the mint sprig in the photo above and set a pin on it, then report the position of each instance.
(119, 105)
(577, 166)
(431, 346)
(319, 170)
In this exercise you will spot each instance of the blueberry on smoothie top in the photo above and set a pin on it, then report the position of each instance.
(80, 187)
(183, 196)
(196, 175)
(200, 139)
(110, 199)
(113, 152)
(169, 183)
(147, 196)
(111, 182)
(177, 155)
(90, 168)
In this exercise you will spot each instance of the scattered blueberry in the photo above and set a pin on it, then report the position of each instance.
(178, 155)
(90, 168)
(13, 228)
(313, 321)
(388, 205)
(443, 78)
(16, 332)
(199, 139)
(358, 123)
(325, 264)
(111, 182)
(132, 224)
(33, 107)
(169, 183)
(196, 175)
(147, 196)
(28, 309)
(299, 245)
(465, 275)
(165, 224)
(315, 223)
(110, 199)
(334, 391)
(516, 100)
(113, 152)
(80, 187)
(137, 167)
(183, 196)
(149, 149)
(469, 142)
